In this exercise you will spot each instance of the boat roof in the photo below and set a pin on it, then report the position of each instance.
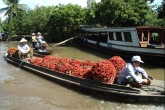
(108, 29)
(150, 27)
(118, 29)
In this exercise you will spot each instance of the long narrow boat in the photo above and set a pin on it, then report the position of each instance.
(154, 93)
(146, 41)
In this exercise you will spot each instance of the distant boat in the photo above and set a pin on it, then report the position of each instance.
(146, 41)
(3, 37)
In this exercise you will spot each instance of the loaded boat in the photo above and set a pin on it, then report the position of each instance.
(145, 41)
(154, 93)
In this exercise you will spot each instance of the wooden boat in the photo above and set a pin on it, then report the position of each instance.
(153, 93)
(146, 41)
(3, 37)
(42, 54)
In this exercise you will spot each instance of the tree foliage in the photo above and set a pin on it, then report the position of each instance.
(124, 12)
(90, 3)
(62, 21)
(161, 10)
(13, 8)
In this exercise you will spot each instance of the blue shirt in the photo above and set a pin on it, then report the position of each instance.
(39, 39)
(129, 71)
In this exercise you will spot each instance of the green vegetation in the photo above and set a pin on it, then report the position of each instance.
(13, 8)
(62, 21)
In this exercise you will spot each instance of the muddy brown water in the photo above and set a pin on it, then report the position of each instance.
(22, 90)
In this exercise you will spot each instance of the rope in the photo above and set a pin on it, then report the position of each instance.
(21, 63)
(154, 89)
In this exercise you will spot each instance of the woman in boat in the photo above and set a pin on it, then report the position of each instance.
(24, 50)
(39, 38)
(43, 46)
(134, 75)
(34, 40)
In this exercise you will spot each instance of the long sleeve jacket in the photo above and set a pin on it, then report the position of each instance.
(130, 71)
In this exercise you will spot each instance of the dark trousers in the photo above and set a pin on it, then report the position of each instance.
(131, 81)
(34, 44)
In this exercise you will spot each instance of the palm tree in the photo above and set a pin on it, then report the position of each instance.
(13, 8)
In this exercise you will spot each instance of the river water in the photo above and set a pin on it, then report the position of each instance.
(22, 90)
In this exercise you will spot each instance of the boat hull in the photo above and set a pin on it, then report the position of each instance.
(147, 57)
(110, 91)
(145, 41)
(42, 54)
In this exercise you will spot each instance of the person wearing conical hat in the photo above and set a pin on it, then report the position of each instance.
(23, 49)
(39, 38)
(34, 40)
(43, 46)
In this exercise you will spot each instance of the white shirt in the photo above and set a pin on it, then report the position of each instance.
(129, 71)
(23, 48)
(39, 38)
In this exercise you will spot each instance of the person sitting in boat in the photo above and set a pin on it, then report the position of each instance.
(134, 75)
(43, 46)
(39, 38)
(37, 46)
(34, 40)
(24, 50)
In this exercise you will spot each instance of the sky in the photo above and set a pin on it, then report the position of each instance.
(33, 3)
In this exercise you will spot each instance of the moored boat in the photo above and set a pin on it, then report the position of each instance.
(145, 41)
(3, 37)
(153, 93)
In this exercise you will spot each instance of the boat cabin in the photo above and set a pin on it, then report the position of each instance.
(140, 36)
(151, 35)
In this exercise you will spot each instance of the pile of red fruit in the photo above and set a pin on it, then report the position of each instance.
(117, 62)
(12, 50)
(74, 67)
(102, 71)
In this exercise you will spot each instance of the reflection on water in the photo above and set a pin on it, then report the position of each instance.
(21, 89)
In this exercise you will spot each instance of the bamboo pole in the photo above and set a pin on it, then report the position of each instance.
(66, 40)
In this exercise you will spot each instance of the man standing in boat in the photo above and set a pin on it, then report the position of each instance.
(134, 75)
